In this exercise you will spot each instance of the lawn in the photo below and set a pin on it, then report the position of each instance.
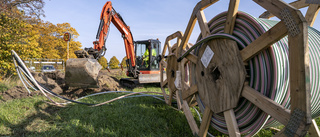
(141, 116)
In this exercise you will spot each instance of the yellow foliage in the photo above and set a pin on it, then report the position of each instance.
(52, 41)
(123, 62)
(18, 35)
(103, 62)
(32, 40)
(114, 63)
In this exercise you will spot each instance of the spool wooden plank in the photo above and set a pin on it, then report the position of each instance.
(186, 83)
(192, 123)
(192, 90)
(231, 16)
(312, 13)
(206, 119)
(202, 21)
(297, 4)
(193, 104)
(167, 45)
(177, 35)
(232, 124)
(267, 105)
(264, 41)
(299, 61)
(164, 63)
(170, 97)
(179, 100)
(299, 71)
(314, 130)
(192, 58)
(274, 6)
(192, 21)
(165, 82)
(220, 83)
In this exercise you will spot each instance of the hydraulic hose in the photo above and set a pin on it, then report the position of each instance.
(268, 71)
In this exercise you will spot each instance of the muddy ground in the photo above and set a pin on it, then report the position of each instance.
(108, 81)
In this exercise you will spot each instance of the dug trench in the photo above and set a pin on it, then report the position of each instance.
(55, 82)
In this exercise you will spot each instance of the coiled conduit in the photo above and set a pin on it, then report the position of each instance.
(269, 71)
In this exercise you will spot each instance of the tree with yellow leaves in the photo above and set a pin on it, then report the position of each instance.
(103, 62)
(52, 43)
(123, 62)
(114, 63)
(22, 30)
(16, 34)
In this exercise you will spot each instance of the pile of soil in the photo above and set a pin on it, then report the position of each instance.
(56, 83)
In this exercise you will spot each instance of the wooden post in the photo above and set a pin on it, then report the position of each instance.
(314, 130)
(312, 13)
(206, 119)
(67, 50)
(190, 119)
(231, 17)
(299, 60)
(231, 123)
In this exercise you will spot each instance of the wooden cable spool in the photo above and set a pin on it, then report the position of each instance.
(221, 83)
(170, 65)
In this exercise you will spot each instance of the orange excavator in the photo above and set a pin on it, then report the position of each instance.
(142, 66)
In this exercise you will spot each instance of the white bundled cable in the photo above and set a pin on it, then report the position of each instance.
(29, 81)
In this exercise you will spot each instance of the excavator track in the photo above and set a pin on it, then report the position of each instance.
(129, 82)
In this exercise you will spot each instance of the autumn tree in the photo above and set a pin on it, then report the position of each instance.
(52, 43)
(16, 34)
(22, 30)
(103, 62)
(31, 8)
(123, 62)
(114, 63)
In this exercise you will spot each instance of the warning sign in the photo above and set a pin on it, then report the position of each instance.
(67, 36)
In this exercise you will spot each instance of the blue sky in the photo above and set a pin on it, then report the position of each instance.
(148, 19)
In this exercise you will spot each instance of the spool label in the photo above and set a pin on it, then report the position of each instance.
(207, 56)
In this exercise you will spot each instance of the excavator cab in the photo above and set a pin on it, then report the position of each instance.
(148, 60)
(147, 55)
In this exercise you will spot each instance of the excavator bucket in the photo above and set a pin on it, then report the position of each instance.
(82, 72)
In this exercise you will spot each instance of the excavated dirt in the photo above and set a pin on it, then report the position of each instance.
(56, 83)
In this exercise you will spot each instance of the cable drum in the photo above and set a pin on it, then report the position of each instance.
(268, 71)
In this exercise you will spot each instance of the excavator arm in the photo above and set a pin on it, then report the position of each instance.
(107, 16)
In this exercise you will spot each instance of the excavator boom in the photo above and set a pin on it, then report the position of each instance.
(107, 16)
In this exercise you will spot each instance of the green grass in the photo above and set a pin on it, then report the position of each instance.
(128, 117)
(9, 82)
(144, 116)
(3, 87)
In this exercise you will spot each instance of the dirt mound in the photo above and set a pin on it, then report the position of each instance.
(107, 80)
(56, 83)
(48, 82)
(16, 92)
